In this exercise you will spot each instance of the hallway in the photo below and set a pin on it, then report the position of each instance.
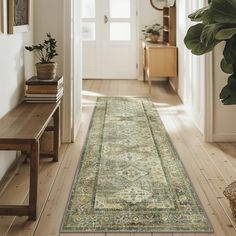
(211, 167)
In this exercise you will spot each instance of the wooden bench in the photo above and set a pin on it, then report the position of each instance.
(20, 130)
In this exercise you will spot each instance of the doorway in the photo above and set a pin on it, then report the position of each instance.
(109, 39)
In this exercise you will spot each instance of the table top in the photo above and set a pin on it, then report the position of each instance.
(26, 122)
(156, 45)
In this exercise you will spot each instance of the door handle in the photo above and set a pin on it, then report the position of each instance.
(106, 19)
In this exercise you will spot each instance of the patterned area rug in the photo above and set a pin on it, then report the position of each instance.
(130, 178)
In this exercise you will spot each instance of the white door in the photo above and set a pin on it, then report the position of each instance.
(109, 39)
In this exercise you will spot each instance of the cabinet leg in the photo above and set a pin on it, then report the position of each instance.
(33, 190)
(56, 121)
(149, 87)
(144, 75)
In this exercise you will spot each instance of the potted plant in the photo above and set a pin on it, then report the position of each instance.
(152, 32)
(217, 23)
(45, 52)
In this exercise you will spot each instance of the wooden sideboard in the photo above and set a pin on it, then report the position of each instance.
(160, 60)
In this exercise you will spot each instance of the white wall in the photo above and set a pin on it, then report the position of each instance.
(224, 128)
(48, 17)
(16, 65)
(147, 15)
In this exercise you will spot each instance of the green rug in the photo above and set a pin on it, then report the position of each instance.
(130, 178)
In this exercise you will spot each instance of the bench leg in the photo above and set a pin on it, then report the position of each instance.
(144, 74)
(33, 190)
(56, 122)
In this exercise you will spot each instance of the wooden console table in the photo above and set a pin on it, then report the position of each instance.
(21, 130)
(160, 60)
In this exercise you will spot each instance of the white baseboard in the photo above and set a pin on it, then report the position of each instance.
(224, 137)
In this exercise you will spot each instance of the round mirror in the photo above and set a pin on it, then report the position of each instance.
(160, 4)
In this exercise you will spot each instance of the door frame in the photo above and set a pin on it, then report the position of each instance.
(209, 98)
(68, 72)
(70, 125)
(135, 40)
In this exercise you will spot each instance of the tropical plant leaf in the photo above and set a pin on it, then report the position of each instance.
(227, 68)
(208, 34)
(224, 11)
(204, 14)
(228, 93)
(230, 50)
(193, 40)
(208, 17)
(225, 34)
(199, 14)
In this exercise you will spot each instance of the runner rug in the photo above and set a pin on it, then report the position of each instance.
(130, 178)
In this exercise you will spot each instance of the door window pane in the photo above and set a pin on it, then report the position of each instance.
(88, 8)
(120, 8)
(120, 31)
(88, 31)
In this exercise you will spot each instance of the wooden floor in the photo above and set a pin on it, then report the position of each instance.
(211, 167)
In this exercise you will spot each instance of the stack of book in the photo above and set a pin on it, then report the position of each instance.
(44, 91)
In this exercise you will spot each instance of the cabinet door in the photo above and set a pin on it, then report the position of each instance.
(162, 62)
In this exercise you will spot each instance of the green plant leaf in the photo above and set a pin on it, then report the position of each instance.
(199, 14)
(228, 93)
(193, 40)
(230, 50)
(225, 34)
(204, 14)
(208, 34)
(226, 67)
(45, 51)
(224, 11)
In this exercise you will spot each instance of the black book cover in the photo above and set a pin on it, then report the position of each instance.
(35, 81)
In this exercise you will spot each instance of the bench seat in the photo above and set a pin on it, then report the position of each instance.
(21, 130)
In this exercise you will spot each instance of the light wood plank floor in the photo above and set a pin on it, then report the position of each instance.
(211, 167)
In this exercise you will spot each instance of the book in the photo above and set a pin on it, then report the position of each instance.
(32, 95)
(41, 91)
(44, 87)
(43, 100)
(35, 81)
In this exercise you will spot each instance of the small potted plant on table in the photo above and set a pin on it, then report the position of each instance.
(153, 32)
(45, 52)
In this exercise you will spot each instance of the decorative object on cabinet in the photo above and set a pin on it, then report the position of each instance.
(169, 24)
(45, 52)
(160, 4)
(18, 16)
(160, 60)
(152, 33)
